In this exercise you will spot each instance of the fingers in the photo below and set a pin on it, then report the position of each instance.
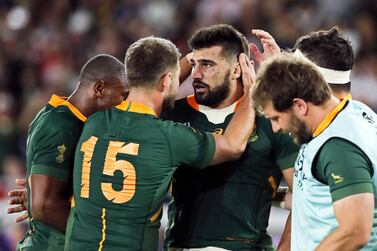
(269, 44)
(21, 182)
(15, 201)
(255, 52)
(18, 209)
(261, 34)
(248, 71)
(22, 217)
(16, 192)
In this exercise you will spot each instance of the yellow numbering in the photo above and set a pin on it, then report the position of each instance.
(111, 165)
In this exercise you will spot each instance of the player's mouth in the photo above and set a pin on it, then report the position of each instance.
(200, 87)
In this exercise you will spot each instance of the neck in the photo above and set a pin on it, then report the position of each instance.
(235, 93)
(319, 113)
(82, 102)
(149, 98)
(341, 94)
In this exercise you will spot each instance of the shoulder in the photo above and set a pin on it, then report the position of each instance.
(61, 120)
(337, 147)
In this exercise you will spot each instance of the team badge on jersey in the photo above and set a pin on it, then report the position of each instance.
(218, 131)
(60, 157)
(254, 136)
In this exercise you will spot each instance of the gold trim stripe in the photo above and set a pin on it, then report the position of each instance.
(329, 118)
(132, 106)
(103, 229)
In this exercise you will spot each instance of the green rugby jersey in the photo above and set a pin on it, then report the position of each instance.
(124, 163)
(51, 145)
(227, 206)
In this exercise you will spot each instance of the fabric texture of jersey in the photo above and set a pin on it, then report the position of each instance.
(124, 163)
(312, 214)
(227, 205)
(51, 145)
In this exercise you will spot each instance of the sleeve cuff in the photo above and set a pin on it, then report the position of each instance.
(50, 171)
(351, 190)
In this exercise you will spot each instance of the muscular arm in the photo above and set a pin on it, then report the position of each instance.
(355, 217)
(49, 201)
(348, 172)
(232, 144)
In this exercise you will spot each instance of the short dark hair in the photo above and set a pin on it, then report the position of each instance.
(148, 59)
(232, 41)
(328, 49)
(102, 67)
(285, 77)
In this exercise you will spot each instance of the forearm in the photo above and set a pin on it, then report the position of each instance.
(240, 127)
(341, 240)
(53, 213)
(185, 72)
(285, 241)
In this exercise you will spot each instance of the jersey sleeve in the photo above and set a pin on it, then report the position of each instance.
(285, 150)
(54, 152)
(344, 167)
(189, 146)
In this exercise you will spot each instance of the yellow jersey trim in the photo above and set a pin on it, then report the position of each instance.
(132, 106)
(156, 215)
(330, 117)
(56, 101)
(349, 97)
(103, 229)
(72, 200)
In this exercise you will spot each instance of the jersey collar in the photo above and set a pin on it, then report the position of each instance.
(192, 102)
(330, 117)
(56, 101)
(132, 106)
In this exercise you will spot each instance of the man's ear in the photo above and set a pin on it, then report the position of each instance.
(300, 107)
(99, 88)
(236, 71)
(165, 82)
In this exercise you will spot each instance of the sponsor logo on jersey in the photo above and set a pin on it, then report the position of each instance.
(254, 136)
(61, 150)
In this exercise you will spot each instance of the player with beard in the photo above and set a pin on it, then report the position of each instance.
(126, 155)
(228, 207)
(334, 200)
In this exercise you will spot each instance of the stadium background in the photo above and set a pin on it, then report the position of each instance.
(43, 44)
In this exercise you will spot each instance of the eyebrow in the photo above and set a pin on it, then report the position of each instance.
(204, 61)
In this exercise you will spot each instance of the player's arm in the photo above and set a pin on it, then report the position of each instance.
(185, 67)
(49, 202)
(50, 174)
(232, 144)
(348, 172)
(285, 152)
(355, 217)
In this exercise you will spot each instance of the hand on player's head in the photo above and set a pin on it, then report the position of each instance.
(270, 47)
(248, 72)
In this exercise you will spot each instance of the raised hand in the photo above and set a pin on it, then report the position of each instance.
(248, 72)
(270, 47)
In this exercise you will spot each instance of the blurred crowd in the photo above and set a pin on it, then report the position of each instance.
(43, 44)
